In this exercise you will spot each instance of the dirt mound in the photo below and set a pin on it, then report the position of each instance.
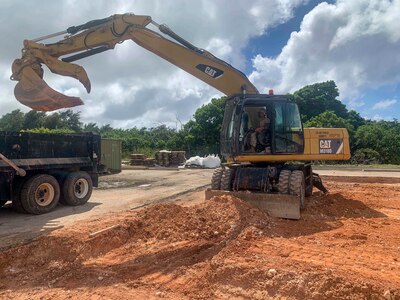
(219, 219)
(342, 248)
(207, 224)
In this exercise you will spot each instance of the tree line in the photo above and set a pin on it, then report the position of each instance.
(371, 141)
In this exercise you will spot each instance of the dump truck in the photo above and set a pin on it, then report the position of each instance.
(268, 152)
(37, 171)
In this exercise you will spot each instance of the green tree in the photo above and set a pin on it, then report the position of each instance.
(12, 121)
(33, 119)
(355, 119)
(329, 119)
(317, 98)
(66, 119)
(91, 127)
(52, 121)
(71, 120)
(105, 129)
(366, 156)
(383, 137)
(203, 132)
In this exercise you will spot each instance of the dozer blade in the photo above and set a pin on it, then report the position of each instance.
(32, 91)
(277, 205)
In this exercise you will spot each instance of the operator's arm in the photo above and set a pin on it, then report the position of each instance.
(101, 35)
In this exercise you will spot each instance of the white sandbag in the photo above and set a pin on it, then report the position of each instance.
(211, 161)
(195, 160)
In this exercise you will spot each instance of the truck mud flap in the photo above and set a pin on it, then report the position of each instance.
(277, 205)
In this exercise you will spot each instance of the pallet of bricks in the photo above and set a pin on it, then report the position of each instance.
(166, 158)
(141, 160)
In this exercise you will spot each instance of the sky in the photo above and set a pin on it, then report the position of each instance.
(279, 44)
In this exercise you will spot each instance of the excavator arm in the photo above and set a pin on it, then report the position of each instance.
(101, 35)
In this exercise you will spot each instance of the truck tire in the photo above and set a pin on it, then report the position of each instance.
(216, 179)
(226, 179)
(284, 179)
(77, 188)
(16, 196)
(297, 186)
(40, 194)
(60, 176)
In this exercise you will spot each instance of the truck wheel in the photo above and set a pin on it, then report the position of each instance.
(60, 176)
(226, 179)
(297, 186)
(77, 188)
(40, 194)
(283, 184)
(16, 195)
(216, 179)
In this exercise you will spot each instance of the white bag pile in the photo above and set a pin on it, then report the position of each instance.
(210, 161)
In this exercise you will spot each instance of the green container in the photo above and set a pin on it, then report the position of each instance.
(111, 154)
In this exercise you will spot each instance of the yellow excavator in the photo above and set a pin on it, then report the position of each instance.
(268, 152)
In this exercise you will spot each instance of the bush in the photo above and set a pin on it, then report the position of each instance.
(49, 131)
(365, 156)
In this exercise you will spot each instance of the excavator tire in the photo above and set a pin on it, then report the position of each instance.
(297, 186)
(216, 179)
(284, 179)
(226, 179)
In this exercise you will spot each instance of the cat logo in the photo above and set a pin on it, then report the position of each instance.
(210, 70)
(331, 146)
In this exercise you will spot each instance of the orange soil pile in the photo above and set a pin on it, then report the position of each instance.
(346, 246)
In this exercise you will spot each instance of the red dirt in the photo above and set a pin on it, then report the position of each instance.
(346, 246)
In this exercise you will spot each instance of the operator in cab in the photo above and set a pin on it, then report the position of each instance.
(263, 125)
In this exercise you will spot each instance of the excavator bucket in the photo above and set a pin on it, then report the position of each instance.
(277, 205)
(32, 91)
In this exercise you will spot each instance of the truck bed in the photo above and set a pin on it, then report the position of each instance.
(32, 151)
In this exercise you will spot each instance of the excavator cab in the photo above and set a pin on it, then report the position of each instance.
(268, 154)
(261, 125)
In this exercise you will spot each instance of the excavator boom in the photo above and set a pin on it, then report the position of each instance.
(101, 35)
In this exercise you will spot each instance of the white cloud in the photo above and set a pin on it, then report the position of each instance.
(356, 43)
(384, 104)
(131, 86)
(378, 117)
